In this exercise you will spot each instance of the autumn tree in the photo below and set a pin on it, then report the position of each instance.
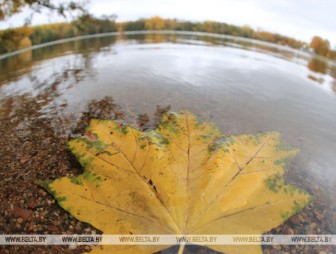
(13, 39)
(83, 23)
(155, 23)
(320, 46)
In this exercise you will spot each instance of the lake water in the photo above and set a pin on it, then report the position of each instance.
(242, 86)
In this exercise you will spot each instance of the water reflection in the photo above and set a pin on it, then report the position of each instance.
(322, 72)
(241, 86)
(318, 65)
(12, 68)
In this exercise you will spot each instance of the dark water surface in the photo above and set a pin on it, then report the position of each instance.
(242, 86)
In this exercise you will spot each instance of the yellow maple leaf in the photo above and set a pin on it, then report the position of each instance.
(184, 177)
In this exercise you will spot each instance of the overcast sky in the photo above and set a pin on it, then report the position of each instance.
(301, 19)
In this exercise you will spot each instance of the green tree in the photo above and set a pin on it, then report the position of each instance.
(135, 25)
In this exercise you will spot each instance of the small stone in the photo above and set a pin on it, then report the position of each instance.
(289, 231)
(24, 159)
(72, 246)
(276, 247)
(32, 205)
(42, 192)
(319, 215)
(23, 213)
(297, 219)
(87, 248)
(312, 225)
(274, 251)
(267, 251)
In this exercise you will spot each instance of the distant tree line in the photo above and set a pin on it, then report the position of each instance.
(319, 45)
(23, 37)
(157, 23)
(13, 39)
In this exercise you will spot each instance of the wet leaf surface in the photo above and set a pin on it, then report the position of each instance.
(184, 177)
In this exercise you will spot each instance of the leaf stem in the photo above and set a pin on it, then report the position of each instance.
(181, 249)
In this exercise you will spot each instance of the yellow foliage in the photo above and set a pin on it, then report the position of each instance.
(155, 23)
(320, 46)
(25, 43)
(184, 177)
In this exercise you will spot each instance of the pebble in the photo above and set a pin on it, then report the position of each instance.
(276, 247)
(87, 248)
(32, 205)
(23, 213)
(296, 219)
(275, 251)
(72, 246)
(319, 215)
(289, 231)
(24, 159)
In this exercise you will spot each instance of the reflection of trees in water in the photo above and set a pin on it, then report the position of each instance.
(333, 74)
(51, 88)
(13, 68)
(315, 79)
(26, 109)
(155, 38)
(55, 86)
(321, 66)
(317, 65)
(333, 85)
(213, 41)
